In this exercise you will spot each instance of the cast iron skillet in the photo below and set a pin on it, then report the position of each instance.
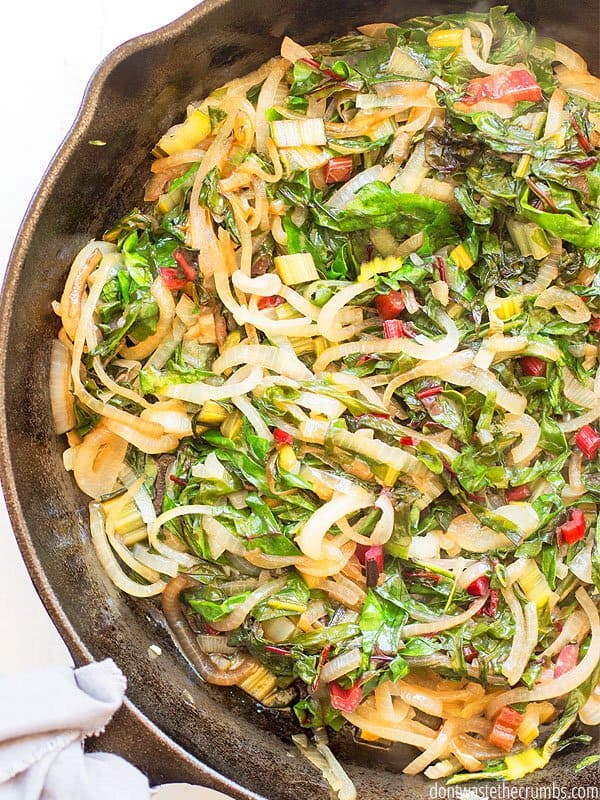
(172, 727)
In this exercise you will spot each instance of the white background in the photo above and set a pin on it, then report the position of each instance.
(49, 51)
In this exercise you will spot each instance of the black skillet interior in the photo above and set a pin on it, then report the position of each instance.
(137, 93)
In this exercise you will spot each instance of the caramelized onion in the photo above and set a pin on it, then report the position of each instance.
(266, 561)
(134, 434)
(239, 613)
(334, 562)
(528, 428)
(61, 399)
(439, 748)
(571, 307)
(187, 643)
(84, 264)
(557, 687)
(341, 665)
(311, 538)
(292, 51)
(266, 100)
(421, 348)
(271, 358)
(109, 562)
(590, 713)
(166, 312)
(477, 62)
(98, 460)
(524, 639)
(443, 623)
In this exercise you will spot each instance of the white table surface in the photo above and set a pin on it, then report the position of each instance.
(48, 53)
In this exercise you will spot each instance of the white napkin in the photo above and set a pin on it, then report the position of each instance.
(45, 715)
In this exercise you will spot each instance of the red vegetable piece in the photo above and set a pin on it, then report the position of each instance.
(375, 553)
(322, 660)
(501, 737)
(175, 278)
(517, 493)
(581, 137)
(345, 699)
(424, 575)
(171, 279)
(491, 607)
(507, 721)
(360, 551)
(574, 529)
(338, 169)
(567, 659)
(390, 305)
(511, 86)
(270, 302)
(469, 653)
(393, 329)
(431, 391)
(588, 441)
(189, 270)
(542, 193)
(441, 266)
(479, 587)
(579, 163)
(325, 70)
(533, 366)
(408, 441)
(371, 573)
(282, 437)
(311, 62)
(278, 651)
(504, 731)
(210, 630)
(595, 325)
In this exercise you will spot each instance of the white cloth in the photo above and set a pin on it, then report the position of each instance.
(45, 715)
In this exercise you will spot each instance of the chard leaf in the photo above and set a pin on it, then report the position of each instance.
(449, 410)
(332, 634)
(513, 38)
(380, 623)
(481, 215)
(552, 439)
(293, 598)
(306, 78)
(579, 230)
(376, 205)
(154, 381)
(471, 473)
(212, 605)
(269, 538)
(408, 273)
(316, 714)
(501, 135)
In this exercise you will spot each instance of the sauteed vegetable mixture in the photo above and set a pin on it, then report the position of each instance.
(334, 391)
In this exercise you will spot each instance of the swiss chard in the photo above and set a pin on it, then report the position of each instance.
(376, 205)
